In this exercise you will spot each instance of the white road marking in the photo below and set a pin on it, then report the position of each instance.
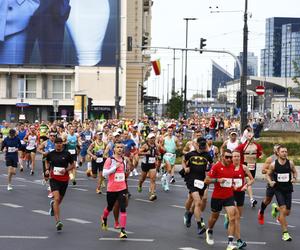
(144, 200)
(128, 239)
(23, 237)
(78, 220)
(20, 178)
(81, 189)
(277, 224)
(176, 206)
(40, 212)
(11, 205)
(188, 248)
(13, 185)
(118, 230)
(248, 242)
(296, 202)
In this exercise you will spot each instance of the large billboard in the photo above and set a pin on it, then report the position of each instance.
(58, 32)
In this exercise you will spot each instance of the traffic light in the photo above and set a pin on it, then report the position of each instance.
(90, 104)
(143, 93)
(144, 41)
(208, 94)
(202, 44)
(129, 43)
(238, 99)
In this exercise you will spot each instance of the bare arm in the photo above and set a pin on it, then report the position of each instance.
(269, 175)
(266, 165)
(294, 171)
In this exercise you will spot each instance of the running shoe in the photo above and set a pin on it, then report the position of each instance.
(59, 226)
(152, 197)
(130, 174)
(163, 181)
(172, 181)
(187, 219)
(9, 187)
(88, 173)
(286, 236)
(200, 229)
(231, 246)
(74, 182)
(135, 172)
(253, 203)
(260, 218)
(31, 172)
(123, 234)
(103, 183)
(275, 211)
(241, 244)
(50, 194)
(209, 238)
(202, 222)
(51, 210)
(139, 189)
(226, 221)
(98, 191)
(117, 225)
(21, 168)
(104, 224)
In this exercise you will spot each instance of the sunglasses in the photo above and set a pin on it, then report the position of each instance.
(228, 157)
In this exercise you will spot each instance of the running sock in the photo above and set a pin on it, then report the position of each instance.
(168, 177)
(105, 213)
(230, 239)
(123, 219)
(262, 207)
(210, 231)
(89, 165)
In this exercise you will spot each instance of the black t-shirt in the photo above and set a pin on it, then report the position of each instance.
(197, 162)
(59, 160)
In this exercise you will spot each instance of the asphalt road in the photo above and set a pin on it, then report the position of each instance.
(25, 224)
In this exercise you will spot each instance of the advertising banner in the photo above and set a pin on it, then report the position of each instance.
(80, 107)
(58, 32)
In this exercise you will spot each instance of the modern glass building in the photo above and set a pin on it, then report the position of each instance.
(219, 78)
(252, 65)
(290, 49)
(271, 55)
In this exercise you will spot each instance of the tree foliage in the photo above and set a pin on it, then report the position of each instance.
(175, 106)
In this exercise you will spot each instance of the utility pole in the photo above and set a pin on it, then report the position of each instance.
(173, 79)
(118, 58)
(244, 117)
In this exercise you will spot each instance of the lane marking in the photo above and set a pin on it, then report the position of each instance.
(40, 212)
(248, 242)
(296, 202)
(176, 206)
(277, 224)
(144, 200)
(188, 248)
(127, 239)
(11, 205)
(23, 237)
(78, 221)
(118, 230)
(15, 185)
(80, 189)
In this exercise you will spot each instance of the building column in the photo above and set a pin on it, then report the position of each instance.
(8, 86)
(44, 86)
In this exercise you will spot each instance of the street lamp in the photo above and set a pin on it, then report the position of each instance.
(187, 19)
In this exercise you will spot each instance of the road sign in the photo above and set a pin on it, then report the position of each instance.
(22, 104)
(260, 90)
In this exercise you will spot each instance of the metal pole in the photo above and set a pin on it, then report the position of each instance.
(244, 119)
(173, 80)
(168, 83)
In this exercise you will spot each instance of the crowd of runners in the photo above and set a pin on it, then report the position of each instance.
(112, 150)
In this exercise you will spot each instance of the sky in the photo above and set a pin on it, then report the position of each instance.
(223, 31)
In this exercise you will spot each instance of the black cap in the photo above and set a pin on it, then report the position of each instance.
(202, 142)
(58, 140)
(12, 131)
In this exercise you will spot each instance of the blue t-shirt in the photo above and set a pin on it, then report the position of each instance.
(129, 144)
(12, 145)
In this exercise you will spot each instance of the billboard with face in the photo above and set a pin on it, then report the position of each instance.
(58, 32)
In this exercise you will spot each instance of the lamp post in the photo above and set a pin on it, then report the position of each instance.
(187, 19)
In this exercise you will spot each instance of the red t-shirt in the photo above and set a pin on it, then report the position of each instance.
(239, 178)
(225, 190)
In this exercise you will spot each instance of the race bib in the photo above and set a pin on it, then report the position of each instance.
(72, 151)
(22, 142)
(251, 166)
(88, 137)
(57, 171)
(169, 155)
(11, 149)
(119, 177)
(238, 183)
(283, 177)
(227, 183)
(99, 160)
(151, 160)
(30, 147)
(198, 184)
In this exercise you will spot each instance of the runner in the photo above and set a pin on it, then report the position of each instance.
(71, 144)
(232, 143)
(212, 149)
(43, 129)
(195, 164)
(85, 141)
(32, 141)
(285, 174)
(10, 146)
(58, 164)
(96, 151)
(21, 135)
(270, 191)
(149, 153)
(221, 175)
(115, 169)
(250, 152)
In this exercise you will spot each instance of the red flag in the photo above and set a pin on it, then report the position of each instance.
(156, 67)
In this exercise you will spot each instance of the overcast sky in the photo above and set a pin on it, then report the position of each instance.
(222, 31)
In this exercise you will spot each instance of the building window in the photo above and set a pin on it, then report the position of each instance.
(62, 87)
(27, 86)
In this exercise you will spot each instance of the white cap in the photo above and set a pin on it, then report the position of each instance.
(151, 135)
(119, 131)
(115, 134)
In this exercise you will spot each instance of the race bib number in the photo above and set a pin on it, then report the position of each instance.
(30, 147)
(88, 137)
(198, 184)
(227, 183)
(283, 177)
(57, 171)
(72, 151)
(251, 166)
(151, 160)
(22, 142)
(99, 160)
(119, 177)
(169, 155)
(11, 149)
(238, 183)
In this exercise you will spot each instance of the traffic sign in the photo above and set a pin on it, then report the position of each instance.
(22, 104)
(260, 90)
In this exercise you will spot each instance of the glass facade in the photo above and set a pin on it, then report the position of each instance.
(272, 55)
(252, 65)
(219, 78)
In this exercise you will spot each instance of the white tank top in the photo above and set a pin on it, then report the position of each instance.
(136, 140)
(232, 145)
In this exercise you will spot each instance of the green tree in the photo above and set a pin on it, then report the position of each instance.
(175, 106)
(296, 91)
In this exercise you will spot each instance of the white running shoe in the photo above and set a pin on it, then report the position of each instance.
(135, 172)
(9, 187)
